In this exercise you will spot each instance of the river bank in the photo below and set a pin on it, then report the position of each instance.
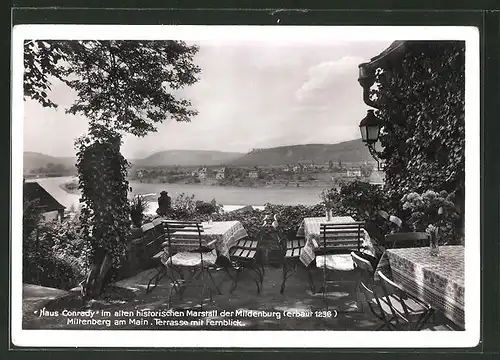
(226, 195)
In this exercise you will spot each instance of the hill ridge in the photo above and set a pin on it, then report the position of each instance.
(345, 151)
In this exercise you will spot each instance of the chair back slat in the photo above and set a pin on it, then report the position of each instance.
(407, 239)
(148, 235)
(159, 228)
(341, 236)
(183, 235)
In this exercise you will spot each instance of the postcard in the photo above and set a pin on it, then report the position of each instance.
(245, 186)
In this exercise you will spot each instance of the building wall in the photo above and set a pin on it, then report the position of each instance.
(51, 215)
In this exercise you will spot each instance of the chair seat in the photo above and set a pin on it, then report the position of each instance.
(192, 259)
(339, 262)
(294, 247)
(413, 307)
(245, 249)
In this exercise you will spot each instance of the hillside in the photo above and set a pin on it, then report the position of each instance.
(188, 158)
(34, 160)
(348, 151)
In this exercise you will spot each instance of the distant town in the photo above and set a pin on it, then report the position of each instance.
(300, 174)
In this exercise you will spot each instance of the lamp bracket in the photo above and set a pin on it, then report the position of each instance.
(375, 154)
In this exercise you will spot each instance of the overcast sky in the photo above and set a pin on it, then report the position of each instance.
(250, 95)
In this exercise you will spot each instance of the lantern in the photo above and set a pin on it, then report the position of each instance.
(370, 128)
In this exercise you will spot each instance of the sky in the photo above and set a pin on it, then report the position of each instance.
(250, 95)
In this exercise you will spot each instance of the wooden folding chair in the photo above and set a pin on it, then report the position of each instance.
(333, 250)
(152, 242)
(407, 239)
(159, 231)
(184, 248)
(367, 287)
(243, 256)
(406, 311)
(293, 249)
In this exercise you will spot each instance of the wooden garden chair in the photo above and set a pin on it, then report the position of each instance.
(244, 255)
(406, 311)
(152, 242)
(333, 250)
(367, 287)
(184, 249)
(293, 249)
(407, 239)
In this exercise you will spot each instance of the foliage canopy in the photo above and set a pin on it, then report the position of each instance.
(129, 86)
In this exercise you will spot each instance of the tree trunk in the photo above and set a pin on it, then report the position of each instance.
(98, 278)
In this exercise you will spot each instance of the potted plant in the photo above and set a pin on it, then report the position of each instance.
(138, 206)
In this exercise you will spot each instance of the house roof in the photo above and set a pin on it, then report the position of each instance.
(391, 53)
(33, 191)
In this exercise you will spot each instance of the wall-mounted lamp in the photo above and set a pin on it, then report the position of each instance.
(370, 127)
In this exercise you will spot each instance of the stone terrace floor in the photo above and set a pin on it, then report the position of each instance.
(130, 295)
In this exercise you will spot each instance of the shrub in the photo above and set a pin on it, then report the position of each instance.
(46, 269)
(31, 219)
(433, 208)
(183, 207)
(291, 216)
(251, 220)
(361, 200)
(207, 208)
(56, 255)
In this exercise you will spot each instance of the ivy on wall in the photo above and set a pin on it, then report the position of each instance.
(421, 100)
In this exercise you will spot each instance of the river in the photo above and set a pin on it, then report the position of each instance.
(231, 196)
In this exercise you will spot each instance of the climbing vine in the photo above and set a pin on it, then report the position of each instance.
(102, 173)
(421, 100)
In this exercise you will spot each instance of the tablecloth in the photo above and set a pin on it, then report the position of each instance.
(436, 280)
(225, 233)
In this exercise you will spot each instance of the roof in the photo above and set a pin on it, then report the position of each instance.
(392, 52)
(33, 191)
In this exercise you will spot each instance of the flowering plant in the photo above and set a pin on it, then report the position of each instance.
(432, 211)
(330, 198)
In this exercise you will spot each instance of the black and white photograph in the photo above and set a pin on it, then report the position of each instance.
(230, 184)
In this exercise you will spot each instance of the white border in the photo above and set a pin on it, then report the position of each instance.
(263, 339)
